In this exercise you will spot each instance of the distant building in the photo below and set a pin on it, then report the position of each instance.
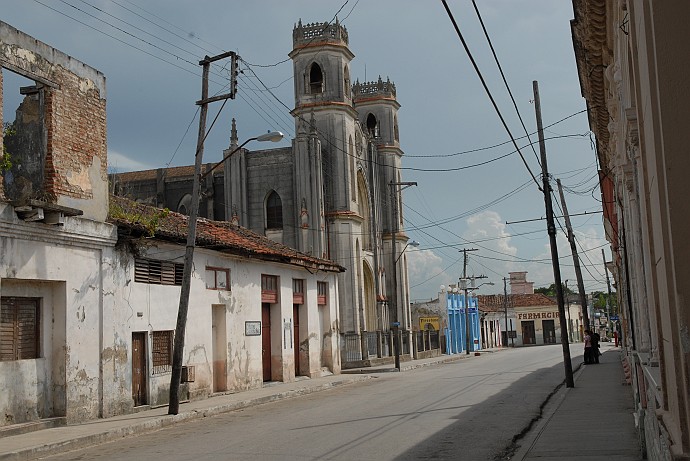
(332, 194)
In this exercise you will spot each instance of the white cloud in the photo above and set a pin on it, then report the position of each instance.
(118, 163)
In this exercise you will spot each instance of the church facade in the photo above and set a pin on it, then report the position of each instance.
(334, 194)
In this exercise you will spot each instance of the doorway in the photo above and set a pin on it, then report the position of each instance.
(549, 331)
(139, 373)
(528, 336)
(266, 340)
(220, 348)
(295, 337)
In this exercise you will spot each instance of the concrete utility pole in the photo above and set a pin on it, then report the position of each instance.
(551, 228)
(608, 299)
(395, 229)
(576, 258)
(178, 345)
(466, 303)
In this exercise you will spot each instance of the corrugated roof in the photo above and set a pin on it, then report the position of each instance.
(136, 219)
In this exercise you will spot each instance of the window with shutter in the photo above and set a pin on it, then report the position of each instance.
(158, 272)
(19, 328)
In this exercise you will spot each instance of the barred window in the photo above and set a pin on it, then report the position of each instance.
(158, 272)
(19, 328)
(162, 351)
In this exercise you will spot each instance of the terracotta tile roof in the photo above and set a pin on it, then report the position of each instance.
(494, 303)
(170, 172)
(134, 219)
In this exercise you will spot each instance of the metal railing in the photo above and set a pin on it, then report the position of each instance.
(353, 347)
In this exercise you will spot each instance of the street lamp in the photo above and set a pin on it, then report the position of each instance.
(396, 323)
(273, 136)
(181, 324)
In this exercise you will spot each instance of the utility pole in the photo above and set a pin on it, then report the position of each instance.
(551, 228)
(576, 258)
(466, 302)
(395, 229)
(608, 299)
(178, 344)
(567, 311)
(505, 305)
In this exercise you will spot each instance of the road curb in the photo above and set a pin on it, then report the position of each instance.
(164, 421)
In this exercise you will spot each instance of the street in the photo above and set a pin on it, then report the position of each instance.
(470, 409)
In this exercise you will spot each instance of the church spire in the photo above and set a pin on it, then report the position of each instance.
(233, 135)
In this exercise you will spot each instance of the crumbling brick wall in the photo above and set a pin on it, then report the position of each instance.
(70, 168)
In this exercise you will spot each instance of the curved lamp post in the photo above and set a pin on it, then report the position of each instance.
(396, 323)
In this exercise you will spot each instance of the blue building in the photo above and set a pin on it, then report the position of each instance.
(455, 332)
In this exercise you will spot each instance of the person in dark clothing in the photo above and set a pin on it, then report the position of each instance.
(588, 347)
(595, 348)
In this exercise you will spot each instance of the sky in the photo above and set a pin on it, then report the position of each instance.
(473, 190)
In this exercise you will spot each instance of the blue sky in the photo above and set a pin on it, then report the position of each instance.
(469, 182)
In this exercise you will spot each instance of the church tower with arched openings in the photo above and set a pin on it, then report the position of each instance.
(377, 107)
(324, 106)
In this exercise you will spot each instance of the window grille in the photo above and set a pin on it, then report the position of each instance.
(162, 351)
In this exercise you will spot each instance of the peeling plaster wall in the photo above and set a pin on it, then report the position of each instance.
(62, 267)
(149, 307)
(68, 165)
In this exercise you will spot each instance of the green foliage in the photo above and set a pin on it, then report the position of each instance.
(551, 290)
(150, 221)
(8, 130)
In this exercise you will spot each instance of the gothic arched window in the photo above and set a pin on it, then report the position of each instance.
(396, 134)
(315, 79)
(274, 211)
(347, 82)
(372, 126)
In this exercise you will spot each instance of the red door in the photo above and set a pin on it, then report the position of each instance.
(266, 340)
(295, 335)
(139, 368)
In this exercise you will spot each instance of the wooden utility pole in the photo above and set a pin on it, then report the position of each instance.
(505, 306)
(178, 344)
(576, 259)
(551, 228)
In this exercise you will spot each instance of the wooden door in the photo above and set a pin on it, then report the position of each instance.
(528, 333)
(549, 331)
(139, 374)
(266, 340)
(220, 348)
(295, 336)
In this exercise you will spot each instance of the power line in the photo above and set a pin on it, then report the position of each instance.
(488, 92)
(503, 76)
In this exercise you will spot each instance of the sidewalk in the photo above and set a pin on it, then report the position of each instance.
(56, 440)
(566, 431)
(593, 420)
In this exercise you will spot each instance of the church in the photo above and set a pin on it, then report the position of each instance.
(334, 194)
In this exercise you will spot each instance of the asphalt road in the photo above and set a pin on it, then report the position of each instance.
(466, 410)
